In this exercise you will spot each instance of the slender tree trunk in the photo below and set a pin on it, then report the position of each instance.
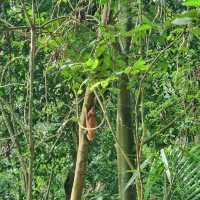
(82, 153)
(30, 107)
(124, 120)
(125, 140)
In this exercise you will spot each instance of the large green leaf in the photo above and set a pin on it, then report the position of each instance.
(139, 66)
(195, 3)
(182, 21)
(141, 29)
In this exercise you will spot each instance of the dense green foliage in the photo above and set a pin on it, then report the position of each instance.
(74, 49)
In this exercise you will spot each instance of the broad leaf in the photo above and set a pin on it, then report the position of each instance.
(195, 3)
(182, 21)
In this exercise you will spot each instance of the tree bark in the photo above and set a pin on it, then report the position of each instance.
(82, 153)
(125, 140)
(125, 134)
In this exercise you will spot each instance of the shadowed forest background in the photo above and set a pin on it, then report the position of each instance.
(99, 100)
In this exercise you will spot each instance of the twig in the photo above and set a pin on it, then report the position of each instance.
(10, 84)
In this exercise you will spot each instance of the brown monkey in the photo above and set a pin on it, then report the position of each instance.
(91, 123)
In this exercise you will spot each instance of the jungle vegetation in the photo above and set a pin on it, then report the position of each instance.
(100, 99)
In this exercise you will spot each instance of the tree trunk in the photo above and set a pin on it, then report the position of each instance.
(124, 120)
(82, 153)
(125, 140)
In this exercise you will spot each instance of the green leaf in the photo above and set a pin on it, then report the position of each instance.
(182, 21)
(153, 176)
(100, 50)
(104, 83)
(1, 93)
(139, 66)
(166, 164)
(142, 27)
(195, 3)
(196, 31)
(139, 29)
(92, 64)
